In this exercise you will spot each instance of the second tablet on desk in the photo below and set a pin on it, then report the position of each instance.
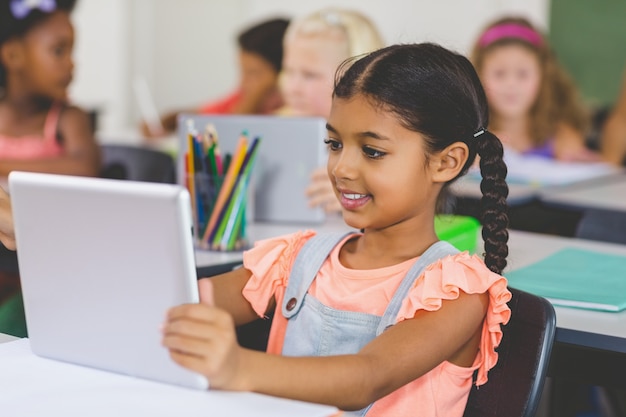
(290, 149)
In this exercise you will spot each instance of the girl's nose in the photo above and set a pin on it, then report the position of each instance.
(343, 166)
(70, 63)
(292, 85)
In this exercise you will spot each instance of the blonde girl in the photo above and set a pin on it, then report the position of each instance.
(314, 46)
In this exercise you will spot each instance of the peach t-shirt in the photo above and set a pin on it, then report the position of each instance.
(443, 391)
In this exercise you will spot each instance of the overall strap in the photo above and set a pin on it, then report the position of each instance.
(435, 252)
(305, 268)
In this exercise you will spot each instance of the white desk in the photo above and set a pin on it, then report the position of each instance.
(6, 338)
(519, 194)
(34, 386)
(590, 346)
(133, 137)
(607, 193)
(586, 328)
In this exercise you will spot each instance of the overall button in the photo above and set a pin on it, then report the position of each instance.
(291, 304)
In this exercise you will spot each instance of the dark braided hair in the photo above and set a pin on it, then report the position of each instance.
(438, 94)
(12, 27)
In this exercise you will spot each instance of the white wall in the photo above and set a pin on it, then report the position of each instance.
(186, 49)
(101, 57)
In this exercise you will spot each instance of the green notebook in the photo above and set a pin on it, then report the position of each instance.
(576, 278)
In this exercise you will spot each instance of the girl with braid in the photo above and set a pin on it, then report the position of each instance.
(386, 321)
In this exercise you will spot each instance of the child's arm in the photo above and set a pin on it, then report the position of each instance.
(225, 291)
(82, 154)
(202, 339)
(613, 140)
(569, 145)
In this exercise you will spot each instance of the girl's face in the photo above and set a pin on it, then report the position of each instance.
(309, 65)
(511, 76)
(257, 76)
(48, 65)
(378, 168)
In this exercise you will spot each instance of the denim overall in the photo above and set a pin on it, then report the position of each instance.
(314, 329)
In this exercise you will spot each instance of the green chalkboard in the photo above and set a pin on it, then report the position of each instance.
(589, 38)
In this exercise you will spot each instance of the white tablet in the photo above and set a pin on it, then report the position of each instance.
(100, 263)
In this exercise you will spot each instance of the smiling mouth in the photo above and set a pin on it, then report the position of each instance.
(353, 201)
(354, 196)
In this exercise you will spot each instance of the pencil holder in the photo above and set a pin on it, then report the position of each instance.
(219, 211)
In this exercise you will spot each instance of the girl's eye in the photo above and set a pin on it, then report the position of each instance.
(373, 153)
(58, 51)
(333, 145)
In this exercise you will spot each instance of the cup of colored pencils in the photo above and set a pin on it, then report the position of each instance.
(219, 189)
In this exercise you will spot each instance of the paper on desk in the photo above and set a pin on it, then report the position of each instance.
(34, 386)
(540, 171)
(576, 278)
(545, 171)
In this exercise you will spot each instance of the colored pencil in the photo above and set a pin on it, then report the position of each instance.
(236, 200)
(225, 189)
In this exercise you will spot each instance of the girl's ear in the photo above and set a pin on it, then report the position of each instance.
(447, 164)
(11, 54)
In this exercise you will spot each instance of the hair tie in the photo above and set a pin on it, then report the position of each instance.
(510, 30)
(22, 8)
(480, 132)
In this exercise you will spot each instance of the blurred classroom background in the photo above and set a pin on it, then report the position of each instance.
(186, 50)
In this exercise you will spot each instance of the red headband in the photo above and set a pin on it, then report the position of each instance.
(510, 30)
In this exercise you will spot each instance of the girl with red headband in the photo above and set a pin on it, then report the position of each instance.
(534, 105)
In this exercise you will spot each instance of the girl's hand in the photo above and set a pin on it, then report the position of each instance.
(202, 339)
(321, 192)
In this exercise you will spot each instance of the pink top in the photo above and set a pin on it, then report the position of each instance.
(441, 392)
(35, 146)
(225, 105)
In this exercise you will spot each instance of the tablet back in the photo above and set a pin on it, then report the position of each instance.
(100, 263)
(290, 149)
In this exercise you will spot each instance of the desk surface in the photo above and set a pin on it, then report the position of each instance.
(6, 338)
(133, 137)
(601, 193)
(469, 187)
(34, 386)
(595, 329)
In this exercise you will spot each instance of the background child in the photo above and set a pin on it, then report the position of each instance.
(534, 105)
(39, 131)
(315, 45)
(392, 150)
(260, 61)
